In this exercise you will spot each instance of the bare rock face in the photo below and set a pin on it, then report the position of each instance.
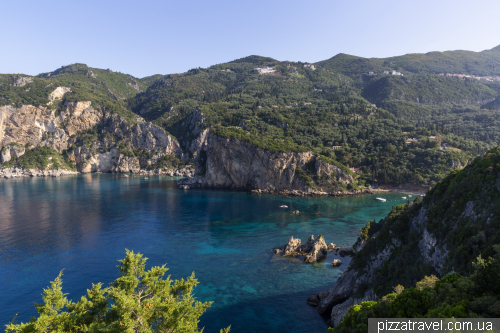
(234, 164)
(325, 169)
(40, 126)
(57, 94)
(313, 250)
(128, 164)
(17, 151)
(21, 81)
(5, 155)
(340, 292)
(292, 246)
(76, 108)
(318, 251)
(308, 246)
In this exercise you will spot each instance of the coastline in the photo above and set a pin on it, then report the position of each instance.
(402, 188)
(299, 193)
(21, 172)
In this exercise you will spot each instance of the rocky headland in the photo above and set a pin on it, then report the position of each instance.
(97, 141)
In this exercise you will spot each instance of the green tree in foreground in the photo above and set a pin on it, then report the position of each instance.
(138, 301)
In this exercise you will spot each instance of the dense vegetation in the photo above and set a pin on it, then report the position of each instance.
(453, 296)
(460, 62)
(463, 214)
(137, 301)
(296, 108)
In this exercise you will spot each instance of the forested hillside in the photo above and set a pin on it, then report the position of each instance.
(334, 109)
(433, 258)
(467, 62)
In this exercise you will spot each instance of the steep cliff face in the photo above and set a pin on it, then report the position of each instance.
(234, 164)
(40, 126)
(96, 141)
(456, 222)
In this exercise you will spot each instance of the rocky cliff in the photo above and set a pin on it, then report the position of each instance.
(457, 221)
(235, 164)
(96, 140)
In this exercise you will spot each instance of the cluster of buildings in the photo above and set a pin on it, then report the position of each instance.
(264, 70)
(411, 140)
(310, 66)
(386, 72)
(462, 76)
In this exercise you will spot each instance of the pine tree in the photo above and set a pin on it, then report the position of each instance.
(137, 301)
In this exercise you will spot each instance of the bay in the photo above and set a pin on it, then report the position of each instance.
(83, 224)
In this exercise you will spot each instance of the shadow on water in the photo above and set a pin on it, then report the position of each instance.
(269, 314)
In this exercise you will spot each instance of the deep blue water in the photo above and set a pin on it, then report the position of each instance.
(83, 224)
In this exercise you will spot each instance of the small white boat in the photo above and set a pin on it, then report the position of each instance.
(409, 195)
(283, 206)
(404, 197)
(146, 178)
(381, 199)
(422, 195)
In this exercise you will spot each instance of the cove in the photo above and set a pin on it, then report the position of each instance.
(83, 224)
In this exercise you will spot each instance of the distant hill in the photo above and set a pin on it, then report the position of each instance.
(289, 107)
(459, 62)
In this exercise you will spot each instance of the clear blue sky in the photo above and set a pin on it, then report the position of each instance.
(143, 38)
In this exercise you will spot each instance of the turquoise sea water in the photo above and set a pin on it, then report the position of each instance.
(83, 224)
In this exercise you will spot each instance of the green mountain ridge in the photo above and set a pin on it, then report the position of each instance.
(314, 109)
(457, 62)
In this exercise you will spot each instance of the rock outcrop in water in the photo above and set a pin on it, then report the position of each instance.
(313, 250)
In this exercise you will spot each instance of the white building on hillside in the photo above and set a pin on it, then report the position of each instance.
(264, 70)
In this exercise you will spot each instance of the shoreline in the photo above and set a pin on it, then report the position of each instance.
(9, 173)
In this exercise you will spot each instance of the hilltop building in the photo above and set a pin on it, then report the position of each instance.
(310, 66)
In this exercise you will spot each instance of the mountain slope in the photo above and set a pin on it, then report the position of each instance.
(458, 220)
(460, 62)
